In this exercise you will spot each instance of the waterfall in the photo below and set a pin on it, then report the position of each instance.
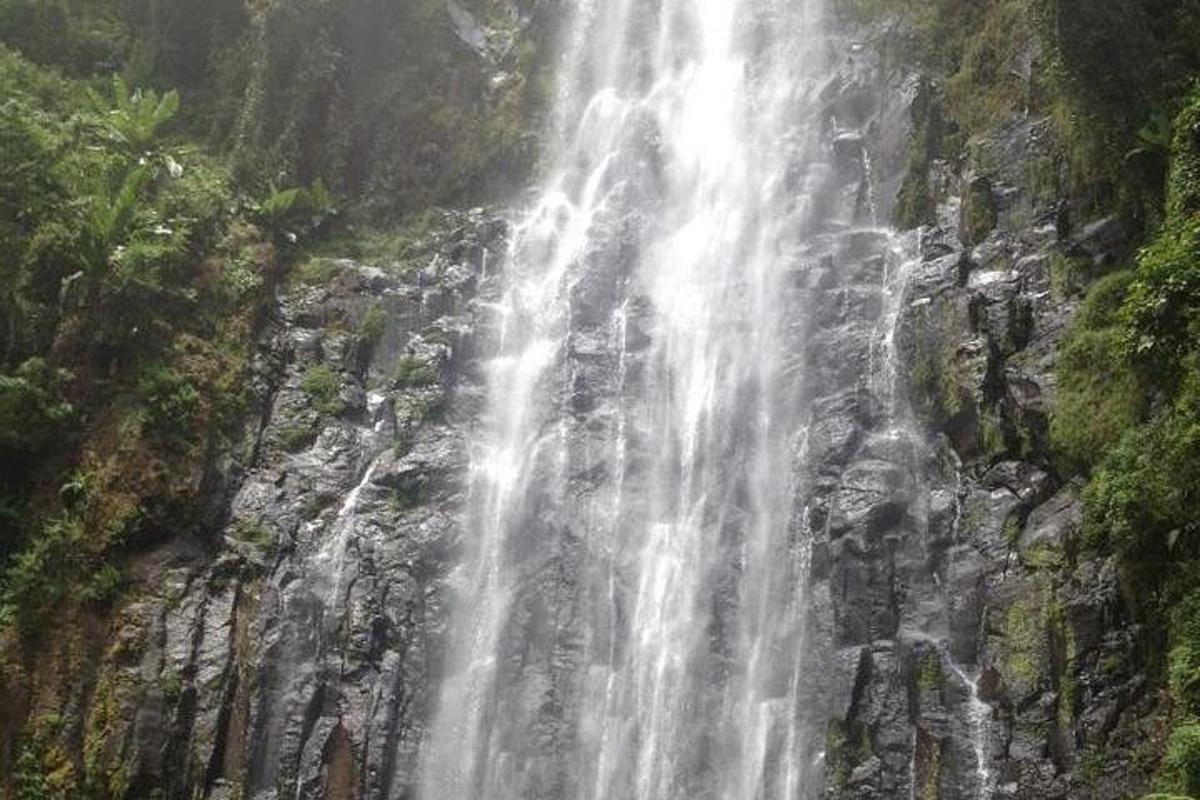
(630, 615)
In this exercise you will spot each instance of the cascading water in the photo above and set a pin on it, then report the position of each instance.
(630, 618)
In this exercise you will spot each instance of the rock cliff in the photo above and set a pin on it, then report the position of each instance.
(964, 644)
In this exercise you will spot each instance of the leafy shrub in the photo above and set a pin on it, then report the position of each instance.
(1180, 770)
(39, 578)
(172, 401)
(1162, 312)
(373, 324)
(1069, 275)
(1101, 308)
(296, 212)
(322, 386)
(1184, 661)
(108, 227)
(32, 411)
(1098, 397)
(103, 585)
(412, 372)
(1140, 498)
(136, 118)
(240, 267)
(110, 214)
(278, 206)
(296, 438)
(253, 534)
(317, 271)
(1183, 189)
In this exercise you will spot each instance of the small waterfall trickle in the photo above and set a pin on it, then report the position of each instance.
(978, 715)
(330, 559)
(978, 712)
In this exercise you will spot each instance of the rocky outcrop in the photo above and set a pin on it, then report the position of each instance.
(981, 653)
(1044, 625)
(960, 644)
(1016, 621)
(292, 661)
(974, 652)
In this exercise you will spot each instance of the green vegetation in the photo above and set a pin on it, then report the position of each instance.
(406, 497)
(403, 444)
(404, 134)
(296, 438)
(1070, 275)
(1128, 414)
(317, 271)
(322, 385)
(1098, 397)
(127, 282)
(71, 554)
(296, 90)
(171, 401)
(402, 248)
(1180, 770)
(373, 324)
(252, 539)
(162, 168)
(1038, 650)
(846, 746)
(929, 672)
(978, 212)
(932, 773)
(32, 411)
(294, 213)
(44, 769)
(1026, 642)
(916, 204)
(1110, 73)
(414, 373)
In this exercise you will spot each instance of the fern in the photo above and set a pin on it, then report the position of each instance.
(110, 217)
(136, 118)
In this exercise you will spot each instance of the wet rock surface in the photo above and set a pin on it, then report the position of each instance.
(292, 657)
(980, 652)
(959, 646)
(1015, 606)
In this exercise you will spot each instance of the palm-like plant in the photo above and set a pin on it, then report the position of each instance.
(135, 118)
(278, 206)
(305, 208)
(109, 217)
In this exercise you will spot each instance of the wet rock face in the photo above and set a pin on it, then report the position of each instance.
(977, 651)
(295, 661)
(959, 645)
(1039, 626)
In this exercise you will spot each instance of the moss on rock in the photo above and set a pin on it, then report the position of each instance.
(978, 212)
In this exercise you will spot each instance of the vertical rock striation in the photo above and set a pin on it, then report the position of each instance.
(983, 653)
(296, 662)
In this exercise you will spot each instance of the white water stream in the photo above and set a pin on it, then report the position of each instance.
(629, 620)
